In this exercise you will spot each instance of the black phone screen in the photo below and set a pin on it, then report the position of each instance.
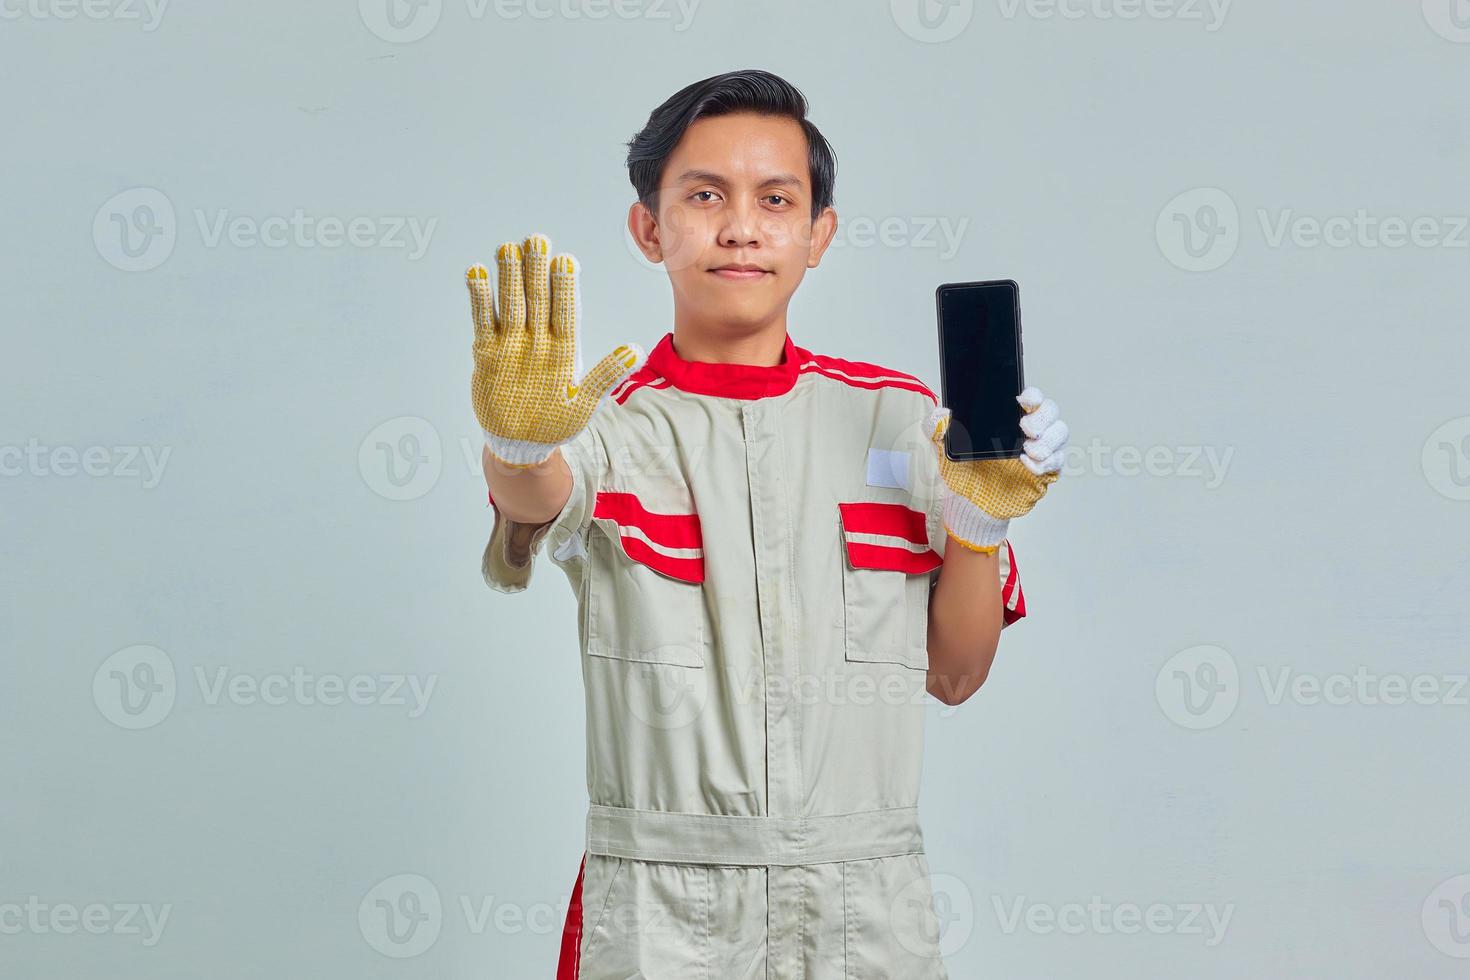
(980, 368)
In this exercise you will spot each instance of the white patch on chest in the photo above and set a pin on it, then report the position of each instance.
(888, 468)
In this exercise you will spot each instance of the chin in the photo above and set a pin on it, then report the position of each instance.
(744, 307)
(739, 315)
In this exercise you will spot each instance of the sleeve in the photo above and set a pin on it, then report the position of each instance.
(511, 551)
(1012, 598)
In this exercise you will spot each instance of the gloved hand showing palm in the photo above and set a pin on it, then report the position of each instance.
(528, 389)
(982, 495)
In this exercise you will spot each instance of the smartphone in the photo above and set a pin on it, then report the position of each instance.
(980, 368)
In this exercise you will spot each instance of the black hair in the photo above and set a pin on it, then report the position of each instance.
(750, 90)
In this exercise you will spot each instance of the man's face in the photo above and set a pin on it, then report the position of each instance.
(734, 226)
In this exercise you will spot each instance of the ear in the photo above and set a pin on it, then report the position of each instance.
(823, 230)
(643, 226)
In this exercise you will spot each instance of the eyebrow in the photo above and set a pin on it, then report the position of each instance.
(694, 176)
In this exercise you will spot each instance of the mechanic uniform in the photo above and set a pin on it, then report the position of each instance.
(752, 548)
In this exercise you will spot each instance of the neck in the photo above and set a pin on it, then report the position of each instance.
(723, 343)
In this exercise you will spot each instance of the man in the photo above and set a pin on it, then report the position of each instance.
(773, 561)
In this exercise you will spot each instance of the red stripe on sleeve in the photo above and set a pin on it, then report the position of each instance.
(1013, 600)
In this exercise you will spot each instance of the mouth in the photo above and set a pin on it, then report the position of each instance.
(741, 273)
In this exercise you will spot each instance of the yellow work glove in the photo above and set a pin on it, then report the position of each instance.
(982, 495)
(528, 389)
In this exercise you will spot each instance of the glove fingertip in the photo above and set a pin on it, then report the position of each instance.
(936, 421)
(638, 356)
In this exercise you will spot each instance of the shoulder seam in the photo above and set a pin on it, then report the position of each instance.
(865, 375)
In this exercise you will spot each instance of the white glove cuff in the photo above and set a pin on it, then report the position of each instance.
(519, 452)
(971, 525)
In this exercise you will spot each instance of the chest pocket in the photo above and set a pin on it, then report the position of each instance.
(645, 596)
(886, 560)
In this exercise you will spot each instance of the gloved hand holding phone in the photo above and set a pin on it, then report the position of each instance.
(982, 495)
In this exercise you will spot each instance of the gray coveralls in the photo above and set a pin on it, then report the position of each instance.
(752, 550)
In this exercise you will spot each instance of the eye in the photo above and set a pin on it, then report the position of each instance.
(775, 197)
(697, 193)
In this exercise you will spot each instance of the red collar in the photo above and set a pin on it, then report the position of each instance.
(727, 380)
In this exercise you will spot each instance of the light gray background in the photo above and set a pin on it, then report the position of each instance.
(1327, 382)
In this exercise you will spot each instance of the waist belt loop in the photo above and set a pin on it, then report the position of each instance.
(699, 838)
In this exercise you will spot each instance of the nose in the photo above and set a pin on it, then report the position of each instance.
(740, 226)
